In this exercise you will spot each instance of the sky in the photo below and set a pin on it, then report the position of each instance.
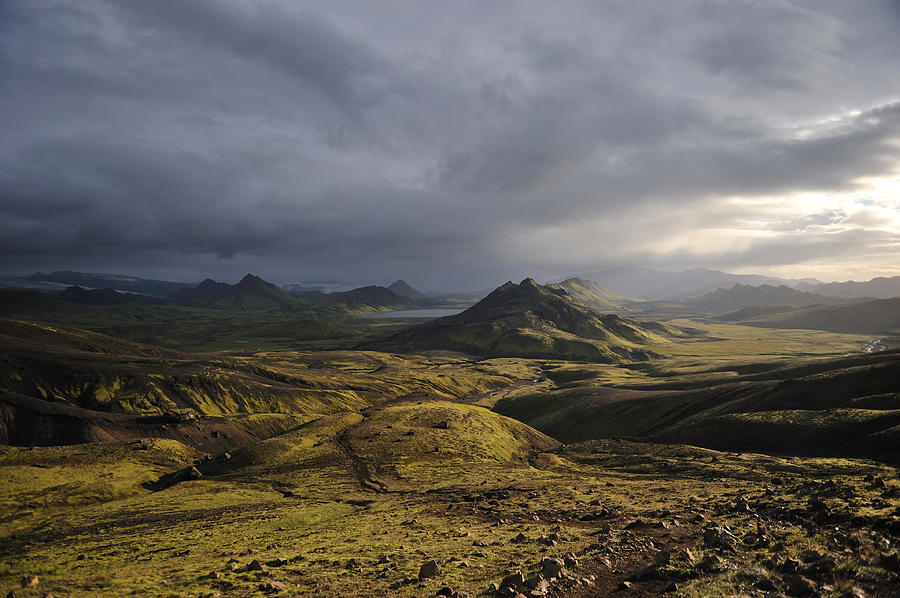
(452, 144)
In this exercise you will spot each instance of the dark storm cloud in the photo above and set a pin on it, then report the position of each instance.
(368, 142)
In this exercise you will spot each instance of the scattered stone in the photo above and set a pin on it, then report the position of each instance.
(891, 561)
(280, 562)
(514, 580)
(789, 566)
(271, 586)
(663, 557)
(809, 556)
(520, 538)
(553, 568)
(797, 585)
(214, 575)
(766, 585)
(716, 537)
(445, 591)
(479, 543)
(29, 581)
(353, 564)
(429, 570)
(254, 565)
(442, 425)
(710, 563)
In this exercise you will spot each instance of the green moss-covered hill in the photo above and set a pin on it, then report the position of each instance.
(530, 320)
(846, 406)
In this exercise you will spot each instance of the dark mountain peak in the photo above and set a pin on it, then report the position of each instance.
(401, 288)
(251, 279)
(209, 283)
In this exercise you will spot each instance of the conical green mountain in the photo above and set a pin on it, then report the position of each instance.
(530, 320)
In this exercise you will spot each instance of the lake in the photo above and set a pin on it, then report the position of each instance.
(414, 313)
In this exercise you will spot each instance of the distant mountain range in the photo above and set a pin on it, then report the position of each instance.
(879, 288)
(644, 283)
(130, 284)
(105, 297)
(879, 317)
(530, 320)
(740, 296)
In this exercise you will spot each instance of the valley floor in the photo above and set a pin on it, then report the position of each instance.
(409, 480)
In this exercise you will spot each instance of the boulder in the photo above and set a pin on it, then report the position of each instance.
(716, 537)
(553, 568)
(515, 581)
(797, 585)
(429, 570)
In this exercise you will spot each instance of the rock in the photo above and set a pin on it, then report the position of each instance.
(480, 543)
(280, 562)
(789, 566)
(254, 565)
(809, 556)
(353, 564)
(514, 580)
(29, 581)
(445, 591)
(663, 557)
(271, 586)
(520, 538)
(442, 425)
(716, 537)
(429, 570)
(891, 561)
(766, 585)
(538, 586)
(626, 585)
(710, 563)
(571, 560)
(553, 568)
(797, 585)
(214, 575)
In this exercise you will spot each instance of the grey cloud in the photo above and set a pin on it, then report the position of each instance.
(354, 141)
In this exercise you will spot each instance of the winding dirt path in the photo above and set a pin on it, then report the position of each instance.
(358, 467)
